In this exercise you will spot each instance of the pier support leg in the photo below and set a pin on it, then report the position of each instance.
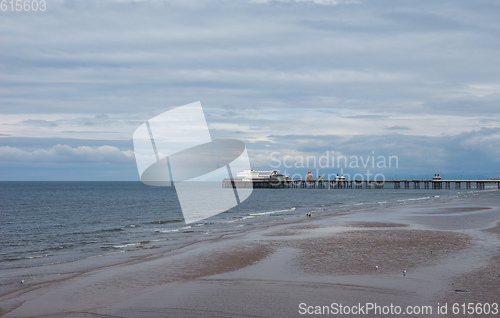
(457, 185)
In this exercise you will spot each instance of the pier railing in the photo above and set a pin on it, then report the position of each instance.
(361, 184)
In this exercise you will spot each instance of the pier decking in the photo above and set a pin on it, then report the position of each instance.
(361, 184)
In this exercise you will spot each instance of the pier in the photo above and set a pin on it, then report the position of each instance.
(360, 184)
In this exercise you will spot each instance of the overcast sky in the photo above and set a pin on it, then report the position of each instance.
(414, 79)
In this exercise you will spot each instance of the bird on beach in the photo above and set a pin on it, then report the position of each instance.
(376, 267)
(404, 272)
(22, 281)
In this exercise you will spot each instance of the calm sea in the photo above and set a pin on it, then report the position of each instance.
(47, 223)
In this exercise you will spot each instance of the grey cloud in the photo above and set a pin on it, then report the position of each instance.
(397, 128)
(462, 154)
(368, 116)
(88, 132)
(165, 60)
(39, 122)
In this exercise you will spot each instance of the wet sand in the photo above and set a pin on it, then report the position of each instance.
(406, 255)
(481, 285)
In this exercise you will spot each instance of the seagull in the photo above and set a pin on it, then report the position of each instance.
(404, 272)
(376, 267)
(22, 281)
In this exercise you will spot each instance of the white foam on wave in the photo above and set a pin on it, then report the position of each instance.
(262, 213)
(418, 199)
(247, 217)
(36, 256)
(269, 212)
(172, 230)
(125, 245)
(166, 231)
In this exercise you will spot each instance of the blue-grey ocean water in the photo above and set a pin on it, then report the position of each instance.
(46, 223)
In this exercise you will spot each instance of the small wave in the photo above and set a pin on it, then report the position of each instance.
(112, 230)
(88, 242)
(262, 213)
(418, 199)
(125, 245)
(269, 212)
(166, 231)
(172, 230)
(239, 218)
(60, 247)
(36, 256)
(165, 221)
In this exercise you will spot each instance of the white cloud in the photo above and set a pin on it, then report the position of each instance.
(64, 153)
(483, 90)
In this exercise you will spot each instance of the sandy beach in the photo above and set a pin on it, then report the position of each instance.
(416, 255)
